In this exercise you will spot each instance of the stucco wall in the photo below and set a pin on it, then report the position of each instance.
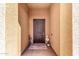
(12, 30)
(55, 27)
(24, 23)
(65, 29)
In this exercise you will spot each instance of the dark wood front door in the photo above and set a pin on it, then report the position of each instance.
(39, 30)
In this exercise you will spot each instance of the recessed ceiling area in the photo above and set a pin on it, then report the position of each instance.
(38, 5)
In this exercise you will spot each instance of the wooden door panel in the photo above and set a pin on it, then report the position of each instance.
(39, 30)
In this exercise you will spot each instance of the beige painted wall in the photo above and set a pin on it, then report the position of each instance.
(55, 27)
(65, 29)
(12, 30)
(38, 14)
(24, 22)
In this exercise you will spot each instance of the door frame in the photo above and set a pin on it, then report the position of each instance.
(44, 27)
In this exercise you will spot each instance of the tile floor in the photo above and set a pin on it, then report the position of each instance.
(39, 49)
